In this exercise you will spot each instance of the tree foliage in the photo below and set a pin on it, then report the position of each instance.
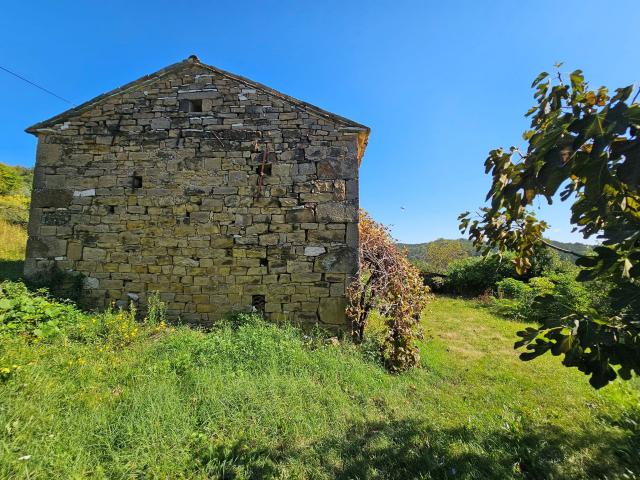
(583, 145)
(439, 254)
(15, 190)
(389, 284)
(15, 180)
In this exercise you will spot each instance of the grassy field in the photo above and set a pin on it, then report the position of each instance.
(266, 402)
(13, 239)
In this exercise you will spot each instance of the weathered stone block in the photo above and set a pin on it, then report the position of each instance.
(300, 215)
(48, 154)
(162, 123)
(337, 212)
(314, 251)
(94, 254)
(332, 310)
(237, 178)
(269, 239)
(74, 251)
(55, 198)
(56, 218)
(337, 168)
(320, 236)
(299, 267)
(341, 260)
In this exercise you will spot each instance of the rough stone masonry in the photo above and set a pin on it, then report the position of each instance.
(216, 191)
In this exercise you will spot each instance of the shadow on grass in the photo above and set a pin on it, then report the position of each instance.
(11, 269)
(406, 449)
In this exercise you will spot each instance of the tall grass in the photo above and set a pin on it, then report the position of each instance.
(259, 401)
(13, 241)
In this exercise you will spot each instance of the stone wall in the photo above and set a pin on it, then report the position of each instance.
(140, 196)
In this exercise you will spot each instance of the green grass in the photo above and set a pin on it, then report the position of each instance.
(265, 402)
(13, 240)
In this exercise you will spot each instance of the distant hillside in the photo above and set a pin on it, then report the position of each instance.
(418, 251)
(436, 255)
(577, 247)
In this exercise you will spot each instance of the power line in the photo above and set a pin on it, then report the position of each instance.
(37, 86)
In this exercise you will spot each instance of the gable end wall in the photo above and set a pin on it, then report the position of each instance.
(200, 229)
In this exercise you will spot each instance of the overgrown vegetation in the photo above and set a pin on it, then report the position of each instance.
(15, 194)
(436, 256)
(15, 190)
(105, 396)
(115, 395)
(585, 143)
(388, 284)
(556, 294)
(475, 276)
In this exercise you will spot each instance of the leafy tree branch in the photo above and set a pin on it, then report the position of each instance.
(583, 146)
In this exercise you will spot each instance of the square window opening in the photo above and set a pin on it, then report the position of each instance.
(264, 169)
(137, 181)
(191, 106)
(258, 303)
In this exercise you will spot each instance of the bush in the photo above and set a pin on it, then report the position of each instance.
(511, 288)
(15, 180)
(436, 283)
(567, 296)
(389, 283)
(34, 315)
(477, 275)
(554, 296)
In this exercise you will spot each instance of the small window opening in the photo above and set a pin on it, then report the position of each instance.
(187, 218)
(264, 169)
(258, 303)
(137, 181)
(191, 105)
(111, 209)
(264, 262)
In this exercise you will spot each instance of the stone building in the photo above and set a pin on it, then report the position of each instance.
(216, 191)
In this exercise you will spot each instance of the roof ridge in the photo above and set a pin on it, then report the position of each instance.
(191, 60)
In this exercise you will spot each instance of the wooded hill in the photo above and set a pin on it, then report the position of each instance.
(435, 256)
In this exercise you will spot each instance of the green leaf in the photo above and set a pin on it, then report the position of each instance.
(539, 78)
(577, 80)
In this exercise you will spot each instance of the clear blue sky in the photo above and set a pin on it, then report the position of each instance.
(439, 83)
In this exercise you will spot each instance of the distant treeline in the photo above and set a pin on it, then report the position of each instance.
(437, 255)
